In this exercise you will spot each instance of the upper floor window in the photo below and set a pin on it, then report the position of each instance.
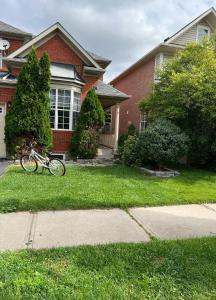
(143, 120)
(160, 60)
(64, 108)
(202, 31)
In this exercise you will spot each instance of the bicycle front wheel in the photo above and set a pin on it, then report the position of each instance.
(28, 163)
(56, 167)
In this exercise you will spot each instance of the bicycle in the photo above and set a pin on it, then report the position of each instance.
(29, 162)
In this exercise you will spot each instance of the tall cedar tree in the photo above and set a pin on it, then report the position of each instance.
(186, 95)
(91, 119)
(29, 112)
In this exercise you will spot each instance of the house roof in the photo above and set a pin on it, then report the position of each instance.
(87, 58)
(166, 45)
(189, 25)
(98, 57)
(106, 90)
(6, 28)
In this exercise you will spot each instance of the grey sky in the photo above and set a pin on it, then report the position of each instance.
(120, 30)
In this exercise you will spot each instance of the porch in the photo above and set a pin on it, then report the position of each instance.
(111, 99)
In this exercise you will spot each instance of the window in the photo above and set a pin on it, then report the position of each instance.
(64, 108)
(76, 108)
(202, 31)
(108, 121)
(160, 60)
(143, 120)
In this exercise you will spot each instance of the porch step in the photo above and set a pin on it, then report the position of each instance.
(105, 153)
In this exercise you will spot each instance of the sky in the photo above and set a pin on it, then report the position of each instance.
(121, 30)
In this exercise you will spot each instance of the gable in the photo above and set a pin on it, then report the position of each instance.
(190, 34)
(46, 35)
(59, 51)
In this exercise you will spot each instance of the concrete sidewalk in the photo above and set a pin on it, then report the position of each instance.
(50, 229)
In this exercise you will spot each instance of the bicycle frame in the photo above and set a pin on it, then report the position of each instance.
(44, 161)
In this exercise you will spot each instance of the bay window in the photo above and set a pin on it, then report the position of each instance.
(64, 108)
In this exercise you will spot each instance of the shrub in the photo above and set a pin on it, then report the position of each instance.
(161, 142)
(90, 120)
(129, 150)
(131, 131)
(88, 143)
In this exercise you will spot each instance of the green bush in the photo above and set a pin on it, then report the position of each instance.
(131, 131)
(90, 120)
(88, 143)
(129, 150)
(161, 142)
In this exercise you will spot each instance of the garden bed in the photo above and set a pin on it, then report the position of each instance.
(165, 172)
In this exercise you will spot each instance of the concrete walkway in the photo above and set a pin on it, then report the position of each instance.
(3, 166)
(50, 229)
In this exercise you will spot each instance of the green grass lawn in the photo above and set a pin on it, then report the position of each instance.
(156, 270)
(91, 187)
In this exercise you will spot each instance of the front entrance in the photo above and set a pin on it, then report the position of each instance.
(2, 126)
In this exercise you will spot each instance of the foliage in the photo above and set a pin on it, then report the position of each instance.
(131, 131)
(29, 112)
(186, 95)
(88, 143)
(45, 133)
(129, 150)
(91, 114)
(90, 120)
(161, 142)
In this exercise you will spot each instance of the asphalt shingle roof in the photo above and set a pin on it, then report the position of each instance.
(98, 57)
(106, 90)
(4, 27)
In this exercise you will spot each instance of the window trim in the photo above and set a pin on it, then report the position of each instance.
(72, 90)
(202, 27)
(144, 121)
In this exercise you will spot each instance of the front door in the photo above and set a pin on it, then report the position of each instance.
(2, 126)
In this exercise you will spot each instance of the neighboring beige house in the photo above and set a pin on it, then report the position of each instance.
(137, 80)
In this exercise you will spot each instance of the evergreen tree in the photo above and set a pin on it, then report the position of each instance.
(91, 114)
(90, 120)
(45, 133)
(28, 115)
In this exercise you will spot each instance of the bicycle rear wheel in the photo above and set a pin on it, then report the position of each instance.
(57, 167)
(28, 163)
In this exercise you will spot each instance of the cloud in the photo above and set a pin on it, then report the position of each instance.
(120, 30)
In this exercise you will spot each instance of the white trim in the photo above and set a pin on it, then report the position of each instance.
(72, 89)
(202, 27)
(48, 31)
(194, 22)
(143, 121)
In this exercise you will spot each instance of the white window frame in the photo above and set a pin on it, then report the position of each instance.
(110, 123)
(72, 90)
(202, 27)
(143, 120)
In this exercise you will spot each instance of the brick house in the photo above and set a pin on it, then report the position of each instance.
(138, 79)
(73, 71)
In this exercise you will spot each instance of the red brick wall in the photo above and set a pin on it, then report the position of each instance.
(138, 84)
(7, 94)
(61, 140)
(14, 45)
(59, 51)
